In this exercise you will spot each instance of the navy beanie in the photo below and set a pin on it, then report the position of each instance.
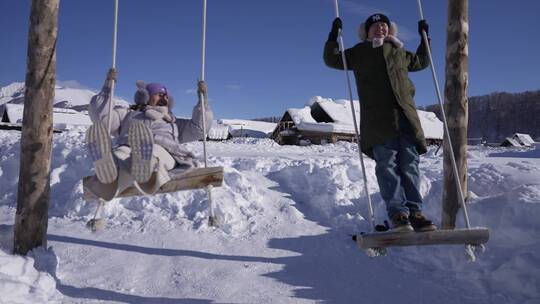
(374, 19)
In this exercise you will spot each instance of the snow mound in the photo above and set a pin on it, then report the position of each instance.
(288, 195)
(20, 282)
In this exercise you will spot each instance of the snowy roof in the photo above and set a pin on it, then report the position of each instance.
(248, 128)
(432, 126)
(340, 112)
(524, 139)
(510, 142)
(218, 131)
(304, 121)
(301, 116)
(61, 117)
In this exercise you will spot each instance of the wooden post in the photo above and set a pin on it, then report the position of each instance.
(455, 92)
(36, 139)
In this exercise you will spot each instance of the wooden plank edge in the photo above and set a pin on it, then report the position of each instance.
(194, 179)
(473, 236)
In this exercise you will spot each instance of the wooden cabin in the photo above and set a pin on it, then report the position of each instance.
(326, 121)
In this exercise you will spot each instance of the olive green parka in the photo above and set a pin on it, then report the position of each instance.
(384, 89)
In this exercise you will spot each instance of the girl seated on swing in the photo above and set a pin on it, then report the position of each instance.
(148, 138)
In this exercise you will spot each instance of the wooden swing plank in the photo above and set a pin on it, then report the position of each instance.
(473, 236)
(192, 179)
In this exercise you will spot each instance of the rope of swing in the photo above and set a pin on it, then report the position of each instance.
(203, 99)
(93, 223)
(115, 33)
(356, 131)
(445, 122)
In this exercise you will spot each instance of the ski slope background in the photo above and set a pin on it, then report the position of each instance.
(285, 212)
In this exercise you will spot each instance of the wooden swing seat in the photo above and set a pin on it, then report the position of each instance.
(186, 180)
(472, 236)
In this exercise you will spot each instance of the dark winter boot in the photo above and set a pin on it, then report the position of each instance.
(400, 223)
(420, 223)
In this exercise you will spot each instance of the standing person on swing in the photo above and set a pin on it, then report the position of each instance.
(390, 129)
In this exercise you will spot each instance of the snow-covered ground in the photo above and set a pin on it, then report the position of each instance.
(286, 214)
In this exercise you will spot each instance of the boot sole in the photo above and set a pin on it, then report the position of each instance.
(403, 228)
(141, 142)
(98, 142)
(426, 228)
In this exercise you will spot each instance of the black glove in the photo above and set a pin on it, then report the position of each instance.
(336, 26)
(111, 74)
(202, 88)
(423, 26)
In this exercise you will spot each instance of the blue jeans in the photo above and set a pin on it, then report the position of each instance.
(398, 175)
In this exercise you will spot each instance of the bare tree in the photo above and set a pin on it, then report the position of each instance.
(456, 106)
(36, 139)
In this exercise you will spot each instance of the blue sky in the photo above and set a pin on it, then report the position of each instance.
(265, 56)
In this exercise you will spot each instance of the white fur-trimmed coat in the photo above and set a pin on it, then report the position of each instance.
(169, 135)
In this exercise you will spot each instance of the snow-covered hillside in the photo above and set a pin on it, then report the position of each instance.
(10, 92)
(65, 96)
(286, 212)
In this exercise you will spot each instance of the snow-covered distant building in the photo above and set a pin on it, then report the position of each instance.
(218, 132)
(227, 128)
(432, 126)
(62, 118)
(510, 142)
(524, 139)
(324, 120)
(518, 140)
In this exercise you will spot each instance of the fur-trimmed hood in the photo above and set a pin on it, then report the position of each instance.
(392, 30)
(392, 35)
(142, 95)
